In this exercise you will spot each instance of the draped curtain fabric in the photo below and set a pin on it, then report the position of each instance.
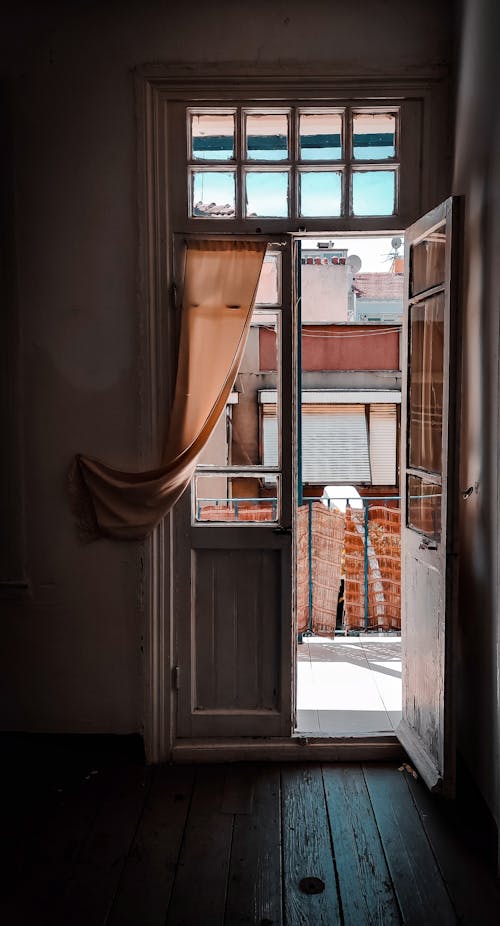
(220, 284)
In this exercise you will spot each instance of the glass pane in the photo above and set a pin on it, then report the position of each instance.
(424, 506)
(236, 439)
(212, 136)
(266, 194)
(426, 383)
(267, 137)
(236, 498)
(320, 136)
(269, 288)
(373, 192)
(320, 193)
(428, 261)
(213, 194)
(374, 136)
(356, 280)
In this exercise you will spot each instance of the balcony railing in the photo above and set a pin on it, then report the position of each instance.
(348, 559)
(350, 565)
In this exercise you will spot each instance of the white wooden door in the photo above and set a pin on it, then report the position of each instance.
(429, 489)
(233, 578)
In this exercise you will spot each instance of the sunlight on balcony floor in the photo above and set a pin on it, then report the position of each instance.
(348, 686)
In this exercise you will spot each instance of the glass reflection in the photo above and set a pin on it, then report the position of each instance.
(426, 383)
(212, 136)
(374, 136)
(320, 136)
(424, 506)
(266, 194)
(267, 136)
(213, 194)
(373, 192)
(320, 193)
(428, 261)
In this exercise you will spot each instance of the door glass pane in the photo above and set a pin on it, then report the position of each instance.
(320, 136)
(373, 136)
(424, 506)
(373, 192)
(426, 384)
(266, 194)
(213, 194)
(236, 498)
(212, 136)
(427, 261)
(269, 288)
(320, 193)
(267, 136)
(237, 437)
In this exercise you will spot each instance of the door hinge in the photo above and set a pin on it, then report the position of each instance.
(176, 674)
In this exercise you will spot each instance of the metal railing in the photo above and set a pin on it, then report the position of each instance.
(236, 504)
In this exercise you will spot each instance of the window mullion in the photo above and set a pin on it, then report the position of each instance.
(347, 184)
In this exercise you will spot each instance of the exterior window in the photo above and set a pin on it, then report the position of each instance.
(341, 443)
(247, 163)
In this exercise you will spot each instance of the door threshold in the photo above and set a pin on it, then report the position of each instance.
(298, 748)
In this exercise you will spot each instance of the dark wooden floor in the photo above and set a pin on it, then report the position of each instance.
(99, 842)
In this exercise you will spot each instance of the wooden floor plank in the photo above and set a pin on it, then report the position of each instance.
(200, 885)
(307, 848)
(418, 885)
(365, 886)
(51, 821)
(148, 875)
(254, 892)
(91, 885)
(475, 895)
(237, 795)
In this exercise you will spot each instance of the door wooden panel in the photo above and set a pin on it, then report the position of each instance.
(236, 601)
(429, 488)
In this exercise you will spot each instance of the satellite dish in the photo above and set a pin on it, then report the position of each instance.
(396, 243)
(354, 263)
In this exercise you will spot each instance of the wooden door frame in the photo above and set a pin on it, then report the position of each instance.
(155, 85)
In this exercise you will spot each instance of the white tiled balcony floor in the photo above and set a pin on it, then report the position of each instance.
(348, 686)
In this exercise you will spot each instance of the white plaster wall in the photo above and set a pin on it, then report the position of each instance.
(324, 293)
(71, 654)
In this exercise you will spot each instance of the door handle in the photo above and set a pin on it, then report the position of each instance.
(284, 531)
(427, 544)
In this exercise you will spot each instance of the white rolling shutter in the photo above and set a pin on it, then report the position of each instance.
(383, 434)
(335, 444)
(269, 436)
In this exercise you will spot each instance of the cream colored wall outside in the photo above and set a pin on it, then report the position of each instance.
(324, 293)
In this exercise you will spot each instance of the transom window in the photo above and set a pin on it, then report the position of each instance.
(292, 162)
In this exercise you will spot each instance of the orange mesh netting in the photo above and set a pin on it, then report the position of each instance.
(228, 513)
(384, 569)
(328, 528)
(302, 568)
(327, 538)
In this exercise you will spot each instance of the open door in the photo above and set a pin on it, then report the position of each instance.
(233, 542)
(429, 490)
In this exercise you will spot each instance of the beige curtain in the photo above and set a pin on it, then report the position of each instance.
(221, 279)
